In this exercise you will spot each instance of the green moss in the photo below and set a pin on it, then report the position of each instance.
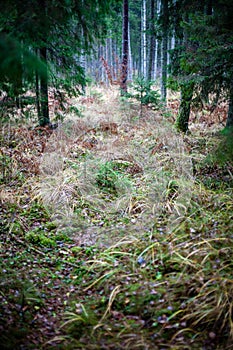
(38, 237)
(36, 211)
(50, 226)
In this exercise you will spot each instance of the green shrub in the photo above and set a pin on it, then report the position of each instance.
(111, 178)
(143, 92)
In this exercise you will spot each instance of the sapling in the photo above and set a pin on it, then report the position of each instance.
(143, 92)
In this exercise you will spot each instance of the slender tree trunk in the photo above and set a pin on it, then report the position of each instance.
(158, 46)
(101, 67)
(158, 59)
(130, 64)
(44, 104)
(19, 82)
(125, 48)
(170, 48)
(106, 62)
(164, 49)
(151, 66)
(208, 7)
(110, 51)
(83, 64)
(117, 72)
(182, 120)
(229, 123)
(155, 60)
(38, 94)
(187, 88)
(42, 95)
(143, 45)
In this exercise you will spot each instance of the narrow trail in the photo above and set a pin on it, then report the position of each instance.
(107, 242)
(112, 139)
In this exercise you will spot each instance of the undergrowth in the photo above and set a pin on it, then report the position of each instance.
(113, 242)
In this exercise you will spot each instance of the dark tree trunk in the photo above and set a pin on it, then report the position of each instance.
(208, 8)
(37, 94)
(44, 105)
(18, 84)
(37, 91)
(125, 48)
(42, 94)
(158, 63)
(229, 123)
(151, 66)
(182, 121)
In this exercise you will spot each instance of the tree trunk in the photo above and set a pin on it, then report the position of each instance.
(42, 93)
(229, 123)
(182, 120)
(158, 59)
(158, 46)
(38, 94)
(125, 48)
(19, 83)
(143, 45)
(83, 64)
(208, 8)
(151, 66)
(44, 104)
(164, 49)
(130, 60)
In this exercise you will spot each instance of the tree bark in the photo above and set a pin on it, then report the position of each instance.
(130, 60)
(143, 44)
(125, 48)
(182, 120)
(44, 103)
(164, 49)
(159, 59)
(38, 94)
(151, 66)
(229, 123)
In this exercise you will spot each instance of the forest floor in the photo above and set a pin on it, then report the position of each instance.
(116, 231)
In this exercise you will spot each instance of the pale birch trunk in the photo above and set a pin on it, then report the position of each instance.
(143, 44)
(130, 64)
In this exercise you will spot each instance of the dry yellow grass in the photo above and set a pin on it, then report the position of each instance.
(110, 130)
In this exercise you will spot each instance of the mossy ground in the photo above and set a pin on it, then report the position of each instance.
(109, 268)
